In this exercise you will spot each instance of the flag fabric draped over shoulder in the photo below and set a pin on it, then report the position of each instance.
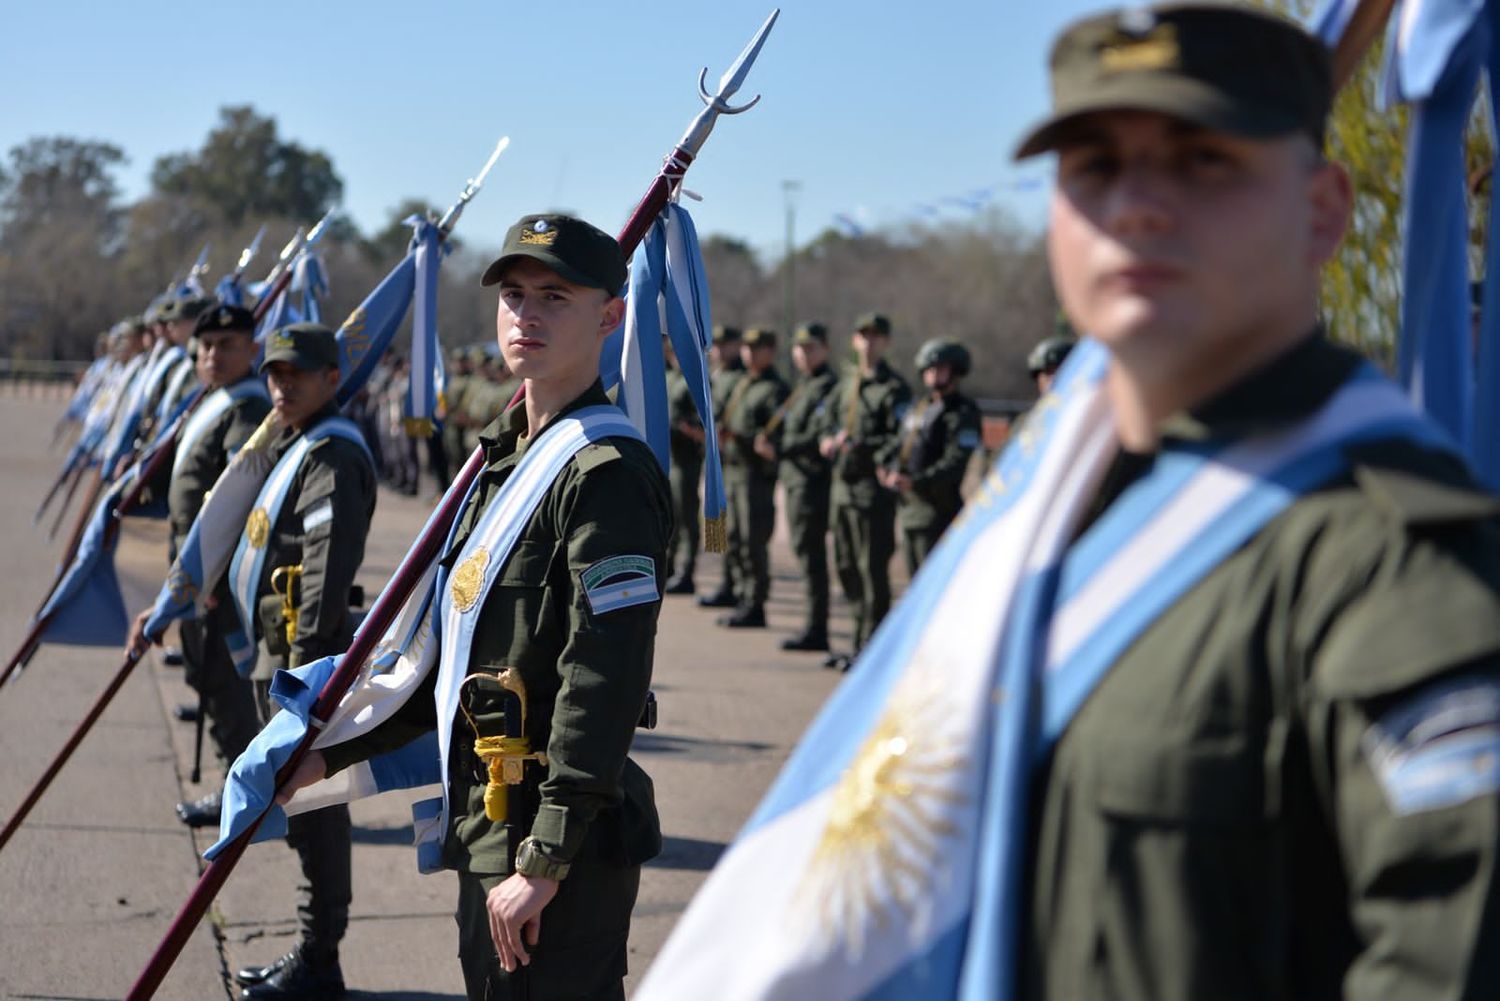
(886, 861)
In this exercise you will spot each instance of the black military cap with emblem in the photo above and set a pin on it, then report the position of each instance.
(224, 318)
(581, 253)
(307, 346)
(810, 332)
(1223, 66)
(873, 323)
(726, 335)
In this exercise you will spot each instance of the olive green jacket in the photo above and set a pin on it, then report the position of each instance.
(586, 675)
(747, 414)
(682, 411)
(801, 428)
(1213, 823)
(870, 409)
(937, 439)
(335, 489)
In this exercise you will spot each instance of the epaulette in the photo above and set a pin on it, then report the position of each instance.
(1438, 493)
(595, 455)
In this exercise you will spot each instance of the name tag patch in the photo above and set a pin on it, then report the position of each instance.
(1440, 747)
(620, 582)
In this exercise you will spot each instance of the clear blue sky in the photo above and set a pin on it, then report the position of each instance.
(876, 107)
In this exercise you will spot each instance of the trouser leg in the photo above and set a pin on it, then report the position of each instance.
(846, 543)
(807, 515)
(761, 517)
(227, 698)
(880, 535)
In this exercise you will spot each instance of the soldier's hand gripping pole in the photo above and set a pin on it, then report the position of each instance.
(428, 544)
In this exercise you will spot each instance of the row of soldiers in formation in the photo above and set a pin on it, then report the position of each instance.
(313, 542)
(856, 454)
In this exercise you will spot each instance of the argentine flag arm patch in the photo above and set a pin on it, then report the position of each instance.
(1440, 747)
(620, 582)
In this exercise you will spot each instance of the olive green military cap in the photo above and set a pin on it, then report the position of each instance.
(581, 253)
(876, 322)
(154, 312)
(224, 318)
(810, 332)
(760, 337)
(726, 335)
(187, 309)
(1223, 66)
(306, 346)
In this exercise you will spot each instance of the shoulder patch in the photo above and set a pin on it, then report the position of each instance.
(619, 582)
(595, 455)
(1440, 746)
(968, 438)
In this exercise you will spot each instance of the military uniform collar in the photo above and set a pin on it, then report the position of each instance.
(503, 436)
(1289, 388)
(329, 409)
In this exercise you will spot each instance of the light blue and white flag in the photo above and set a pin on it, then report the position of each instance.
(86, 608)
(897, 830)
(669, 289)
(425, 383)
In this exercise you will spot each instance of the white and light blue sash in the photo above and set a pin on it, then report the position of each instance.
(248, 563)
(176, 379)
(898, 826)
(209, 412)
(461, 590)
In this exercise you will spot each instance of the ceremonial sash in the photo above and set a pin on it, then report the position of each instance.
(117, 407)
(166, 407)
(129, 419)
(460, 592)
(248, 563)
(208, 413)
(899, 824)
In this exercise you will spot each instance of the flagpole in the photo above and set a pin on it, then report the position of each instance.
(425, 549)
(281, 276)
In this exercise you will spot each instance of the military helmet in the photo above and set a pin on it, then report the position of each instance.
(944, 351)
(1049, 355)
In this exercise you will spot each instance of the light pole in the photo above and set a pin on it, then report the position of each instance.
(789, 190)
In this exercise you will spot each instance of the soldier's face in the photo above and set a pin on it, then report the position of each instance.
(808, 356)
(869, 345)
(549, 328)
(178, 331)
(225, 356)
(938, 377)
(1170, 242)
(298, 393)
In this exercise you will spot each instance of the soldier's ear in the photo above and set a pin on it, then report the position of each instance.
(614, 312)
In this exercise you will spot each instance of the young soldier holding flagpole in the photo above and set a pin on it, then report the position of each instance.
(546, 612)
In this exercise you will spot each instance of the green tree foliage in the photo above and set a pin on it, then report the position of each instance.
(245, 169)
(1362, 286)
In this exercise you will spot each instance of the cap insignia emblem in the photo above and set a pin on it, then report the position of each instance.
(540, 234)
(225, 318)
(284, 340)
(1155, 49)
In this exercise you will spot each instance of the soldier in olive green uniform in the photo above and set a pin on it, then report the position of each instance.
(686, 476)
(234, 407)
(938, 437)
(806, 477)
(724, 375)
(461, 379)
(861, 434)
(489, 394)
(321, 529)
(750, 475)
(550, 889)
(1286, 785)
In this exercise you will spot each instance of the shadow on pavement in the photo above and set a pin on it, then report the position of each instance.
(382, 835)
(710, 750)
(693, 854)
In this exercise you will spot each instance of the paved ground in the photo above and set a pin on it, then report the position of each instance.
(92, 880)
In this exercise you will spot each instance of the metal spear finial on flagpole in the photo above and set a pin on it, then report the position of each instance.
(248, 254)
(471, 188)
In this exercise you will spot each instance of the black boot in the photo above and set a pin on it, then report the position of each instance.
(298, 980)
(723, 598)
(260, 974)
(808, 639)
(681, 584)
(202, 812)
(745, 617)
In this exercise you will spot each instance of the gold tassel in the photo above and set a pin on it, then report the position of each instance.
(716, 534)
(417, 427)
